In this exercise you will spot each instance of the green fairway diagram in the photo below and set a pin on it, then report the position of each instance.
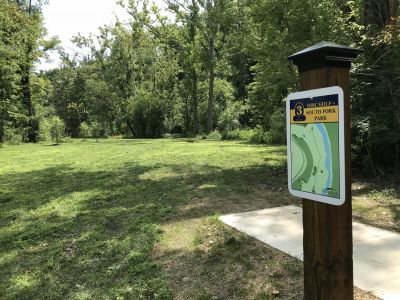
(315, 158)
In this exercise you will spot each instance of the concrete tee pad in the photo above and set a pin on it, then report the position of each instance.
(376, 252)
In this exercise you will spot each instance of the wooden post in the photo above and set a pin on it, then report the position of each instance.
(327, 242)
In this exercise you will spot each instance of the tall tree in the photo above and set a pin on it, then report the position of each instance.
(34, 28)
(208, 24)
(11, 51)
(376, 104)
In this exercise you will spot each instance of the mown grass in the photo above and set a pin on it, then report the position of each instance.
(137, 219)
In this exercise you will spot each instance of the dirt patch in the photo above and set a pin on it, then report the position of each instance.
(257, 199)
(205, 259)
(221, 263)
(377, 205)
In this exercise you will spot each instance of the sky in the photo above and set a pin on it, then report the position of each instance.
(67, 18)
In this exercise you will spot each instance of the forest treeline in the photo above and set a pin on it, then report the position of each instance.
(205, 66)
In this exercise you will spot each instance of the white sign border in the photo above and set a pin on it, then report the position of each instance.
(315, 93)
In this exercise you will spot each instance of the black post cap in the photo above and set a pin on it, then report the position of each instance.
(324, 54)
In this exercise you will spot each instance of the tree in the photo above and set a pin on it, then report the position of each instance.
(277, 29)
(21, 45)
(208, 23)
(13, 33)
(34, 28)
(376, 104)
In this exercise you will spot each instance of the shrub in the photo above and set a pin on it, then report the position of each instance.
(277, 132)
(96, 129)
(52, 128)
(57, 129)
(84, 130)
(240, 135)
(253, 136)
(146, 115)
(229, 118)
(215, 135)
(12, 136)
(16, 139)
(259, 136)
(44, 130)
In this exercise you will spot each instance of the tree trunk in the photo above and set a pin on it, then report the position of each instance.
(26, 90)
(2, 130)
(32, 125)
(210, 110)
(187, 121)
(129, 124)
(195, 99)
(393, 6)
(380, 12)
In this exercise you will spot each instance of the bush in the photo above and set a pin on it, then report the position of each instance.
(277, 133)
(52, 128)
(229, 118)
(239, 135)
(12, 136)
(215, 135)
(44, 130)
(15, 139)
(57, 129)
(84, 130)
(259, 136)
(253, 136)
(146, 115)
(96, 129)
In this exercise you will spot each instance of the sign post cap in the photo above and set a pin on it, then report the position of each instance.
(325, 54)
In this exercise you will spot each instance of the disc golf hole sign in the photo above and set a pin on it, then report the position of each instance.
(315, 145)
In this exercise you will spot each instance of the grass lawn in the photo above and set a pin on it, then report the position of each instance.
(138, 219)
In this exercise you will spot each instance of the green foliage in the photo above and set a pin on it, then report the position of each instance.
(12, 22)
(259, 136)
(21, 95)
(44, 129)
(278, 29)
(52, 129)
(376, 91)
(215, 135)
(12, 136)
(252, 136)
(277, 121)
(237, 134)
(84, 130)
(146, 116)
(57, 129)
(96, 129)
(229, 119)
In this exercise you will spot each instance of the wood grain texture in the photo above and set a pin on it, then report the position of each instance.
(328, 251)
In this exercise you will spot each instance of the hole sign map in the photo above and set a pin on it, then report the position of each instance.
(315, 145)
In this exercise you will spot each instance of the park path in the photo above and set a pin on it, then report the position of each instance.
(376, 252)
